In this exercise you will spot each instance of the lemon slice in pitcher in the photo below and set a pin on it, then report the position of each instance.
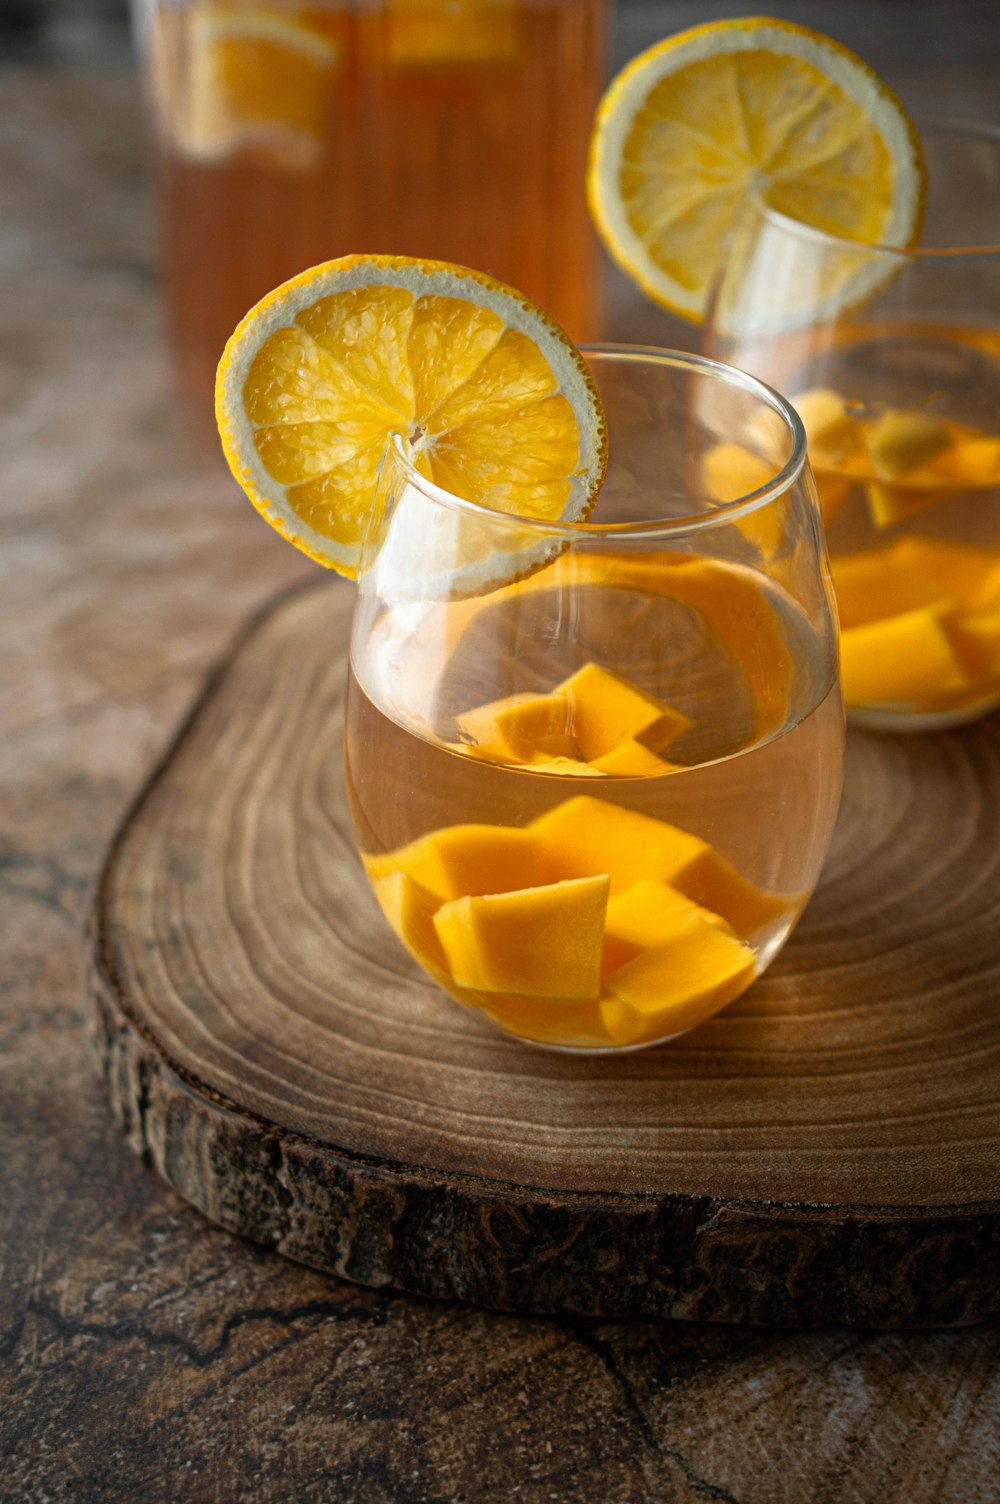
(699, 123)
(491, 400)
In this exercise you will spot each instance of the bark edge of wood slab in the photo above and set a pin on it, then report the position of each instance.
(249, 1096)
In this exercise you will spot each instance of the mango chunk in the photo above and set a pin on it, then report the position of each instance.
(605, 710)
(975, 636)
(585, 836)
(410, 909)
(900, 442)
(971, 461)
(570, 767)
(542, 942)
(518, 727)
(547, 1020)
(642, 916)
(465, 859)
(970, 574)
(631, 759)
(832, 432)
(890, 505)
(907, 658)
(729, 472)
(833, 491)
(877, 583)
(678, 983)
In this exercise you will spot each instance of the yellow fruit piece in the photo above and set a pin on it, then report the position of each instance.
(875, 584)
(693, 971)
(542, 942)
(975, 636)
(252, 78)
(585, 836)
(466, 859)
(833, 491)
(890, 505)
(410, 909)
(695, 126)
(900, 442)
(969, 573)
(645, 915)
(491, 400)
(971, 461)
(631, 759)
(460, 34)
(570, 767)
(605, 710)
(906, 659)
(730, 472)
(833, 434)
(547, 1020)
(519, 728)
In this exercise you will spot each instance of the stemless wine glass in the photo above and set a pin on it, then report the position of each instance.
(892, 359)
(594, 767)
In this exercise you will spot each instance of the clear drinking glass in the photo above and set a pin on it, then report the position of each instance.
(892, 359)
(289, 133)
(594, 767)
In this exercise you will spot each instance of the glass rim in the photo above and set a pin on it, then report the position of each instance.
(711, 515)
(935, 126)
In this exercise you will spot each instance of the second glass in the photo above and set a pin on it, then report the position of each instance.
(892, 358)
(594, 768)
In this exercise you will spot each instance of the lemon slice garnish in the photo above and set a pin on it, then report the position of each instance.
(491, 401)
(701, 122)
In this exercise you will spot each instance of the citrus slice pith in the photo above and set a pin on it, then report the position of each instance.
(492, 401)
(697, 124)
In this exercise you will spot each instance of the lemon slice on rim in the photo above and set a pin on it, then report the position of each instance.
(491, 400)
(699, 123)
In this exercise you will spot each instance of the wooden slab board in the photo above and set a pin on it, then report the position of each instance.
(825, 1150)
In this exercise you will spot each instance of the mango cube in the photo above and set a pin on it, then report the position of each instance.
(548, 1020)
(890, 505)
(605, 710)
(728, 472)
(971, 461)
(876, 583)
(642, 916)
(900, 442)
(565, 767)
(693, 971)
(586, 836)
(466, 859)
(970, 574)
(542, 942)
(410, 909)
(519, 727)
(975, 636)
(631, 759)
(832, 432)
(906, 658)
(833, 491)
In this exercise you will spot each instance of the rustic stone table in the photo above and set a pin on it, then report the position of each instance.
(144, 1354)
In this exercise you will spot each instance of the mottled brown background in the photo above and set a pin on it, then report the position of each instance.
(143, 1354)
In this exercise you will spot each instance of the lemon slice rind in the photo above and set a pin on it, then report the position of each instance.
(421, 278)
(627, 96)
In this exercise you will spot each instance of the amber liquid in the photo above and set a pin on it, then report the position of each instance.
(455, 132)
(767, 806)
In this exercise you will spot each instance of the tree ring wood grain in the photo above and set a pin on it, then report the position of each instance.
(826, 1150)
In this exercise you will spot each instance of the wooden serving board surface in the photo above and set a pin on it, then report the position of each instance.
(825, 1150)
